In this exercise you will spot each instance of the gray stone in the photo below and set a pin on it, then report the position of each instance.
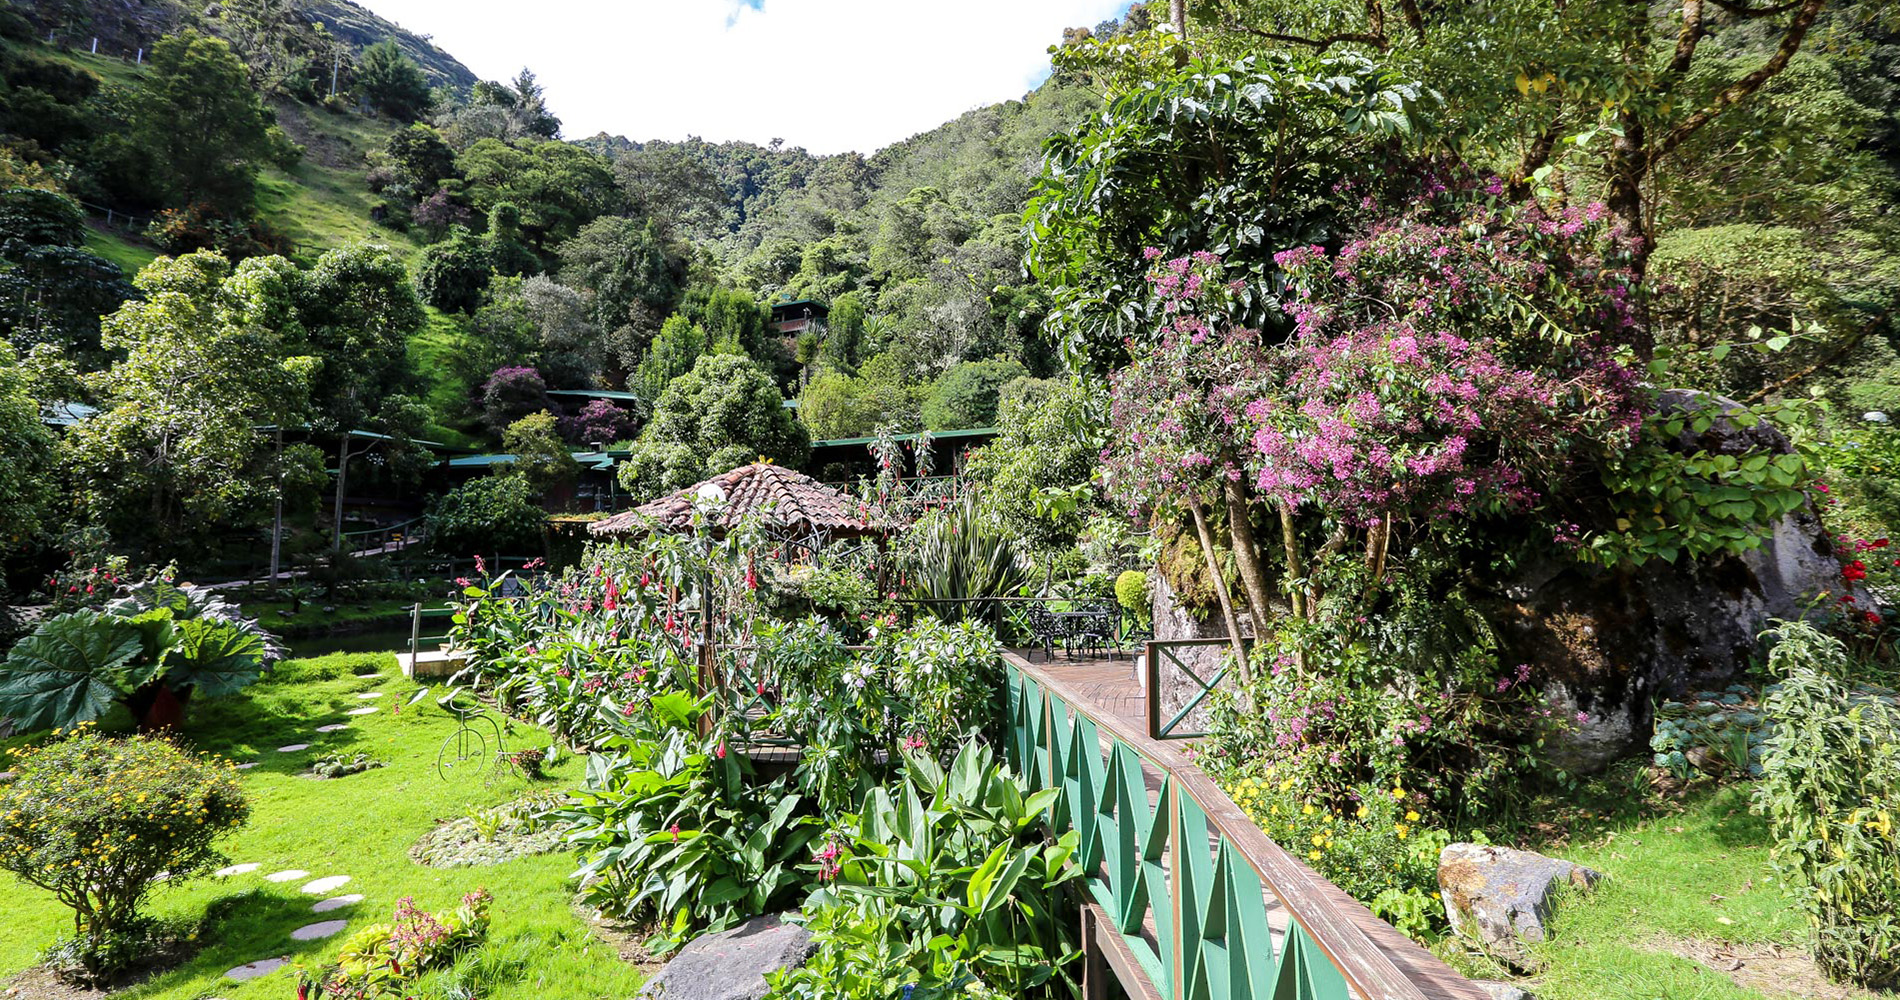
(1501, 991)
(337, 903)
(1609, 643)
(252, 970)
(319, 930)
(1500, 898)
(731, 965)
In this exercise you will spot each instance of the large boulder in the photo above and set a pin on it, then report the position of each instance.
(731, 965)
(1500, 898)
(1606, 645)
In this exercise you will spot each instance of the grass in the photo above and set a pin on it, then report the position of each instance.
(1694, 871)
(361, 826)
(324, 201)
(429, 352)
(131, 257)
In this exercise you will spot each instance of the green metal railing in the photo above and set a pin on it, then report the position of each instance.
(1162, 659)
(416, 639)
(1188, 884)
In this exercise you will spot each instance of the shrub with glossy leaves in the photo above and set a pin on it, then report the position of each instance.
(94, 820)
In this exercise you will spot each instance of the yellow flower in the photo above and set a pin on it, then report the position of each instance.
(1313, 855)
(1308, 811)
(1318, 840)
(1362, 812)
(1411, 816)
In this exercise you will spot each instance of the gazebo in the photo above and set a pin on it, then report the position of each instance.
(793, 507)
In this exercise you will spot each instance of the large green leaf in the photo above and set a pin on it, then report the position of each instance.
(213, 657)
(71, 670)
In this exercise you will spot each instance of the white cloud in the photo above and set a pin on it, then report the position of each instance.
(828, 75)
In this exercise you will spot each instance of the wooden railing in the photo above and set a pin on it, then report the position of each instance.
(1188, 898)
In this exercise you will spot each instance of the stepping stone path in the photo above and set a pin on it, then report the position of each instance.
(308, 932)
(370, 694)
(334, 727)
(246, 767)
(256, 969)
(244, 869)
(293, 748)
(365, 710)
(318, 931)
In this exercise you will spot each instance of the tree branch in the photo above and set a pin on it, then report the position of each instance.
(1739, 90)
(1687, 39)
(1839, 353)
(1317, 44)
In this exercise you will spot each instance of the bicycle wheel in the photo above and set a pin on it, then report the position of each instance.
(464, 745)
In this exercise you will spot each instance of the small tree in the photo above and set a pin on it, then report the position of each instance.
(94, 821)
(391, 82)
(493, 513)
(453, 273)
(540, 454)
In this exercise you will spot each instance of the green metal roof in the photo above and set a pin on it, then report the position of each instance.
(934, 436)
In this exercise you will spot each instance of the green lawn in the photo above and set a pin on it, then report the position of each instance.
(115, 247)
(324, 201)
(361, 826)
(1696, 875)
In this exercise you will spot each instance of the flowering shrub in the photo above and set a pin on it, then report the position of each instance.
(382, 960)
(94, 821)
(929, 688)
(600, 421)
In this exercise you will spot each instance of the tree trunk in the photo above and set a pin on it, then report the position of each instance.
(1253, 575)
(1295, 572)
(1220, 588)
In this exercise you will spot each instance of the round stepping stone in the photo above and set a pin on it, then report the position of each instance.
(246, 767)
(287, 876)
(337, 903)
(243, 869)
(333, 727)
(365, 710)
(293, 748)
(326, 884)
(252, 970)
(370, 694)
(319, 930)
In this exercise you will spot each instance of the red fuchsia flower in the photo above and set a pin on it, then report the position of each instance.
(913, 742)
(462, 581)
(645, 578)
(1854, 571)
(627, 709)
(674, 830)
(721, 752)
(1873, 619)
(1880, 543)
(481, 566)
(1847, 598)
(612, 603)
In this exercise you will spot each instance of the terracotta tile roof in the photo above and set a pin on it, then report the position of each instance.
(779, 496)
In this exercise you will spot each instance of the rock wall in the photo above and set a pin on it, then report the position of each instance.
(1174, 621)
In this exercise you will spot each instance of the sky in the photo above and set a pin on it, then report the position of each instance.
(828, 75)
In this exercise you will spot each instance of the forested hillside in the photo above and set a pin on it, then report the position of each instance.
(510, 262)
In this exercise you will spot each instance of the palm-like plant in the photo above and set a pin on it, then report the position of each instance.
(953, 557)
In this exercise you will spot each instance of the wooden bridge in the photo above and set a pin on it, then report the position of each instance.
(1189, 900)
